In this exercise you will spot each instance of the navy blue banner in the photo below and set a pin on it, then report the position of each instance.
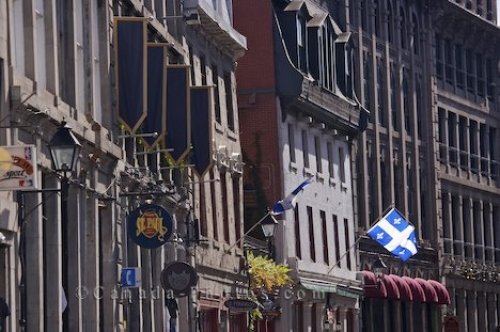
(200, 129)
(150, 226)
(178, 122)
(155, 96)
(131, 71)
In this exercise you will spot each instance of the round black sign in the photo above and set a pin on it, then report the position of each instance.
(150, 226)
(178, 277)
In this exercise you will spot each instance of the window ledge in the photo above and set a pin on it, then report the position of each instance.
(308, 172)
(219, 128)
(331, 182)
(320, 177)
(232, 135)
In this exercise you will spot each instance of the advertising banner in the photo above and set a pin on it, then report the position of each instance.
(18, 167)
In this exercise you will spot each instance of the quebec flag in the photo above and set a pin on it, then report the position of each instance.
(395, 234)
(289, 201)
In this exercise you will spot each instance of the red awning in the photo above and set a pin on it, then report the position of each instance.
(391, 286)
(430, 292)
(371, 286)
(404, 289)
(443, 297)
(417, 292)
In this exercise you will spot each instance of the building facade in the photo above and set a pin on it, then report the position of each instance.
(300, 117)
(466, 114)
(59, 61)
(432, 100)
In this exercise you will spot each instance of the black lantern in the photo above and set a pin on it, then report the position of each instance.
(64, 149)
(269, 226)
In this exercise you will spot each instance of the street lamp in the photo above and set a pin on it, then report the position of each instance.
(268, 228)
(64, 150)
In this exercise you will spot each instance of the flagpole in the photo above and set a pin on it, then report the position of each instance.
(248, 232)
(359, 238)
(345, 253)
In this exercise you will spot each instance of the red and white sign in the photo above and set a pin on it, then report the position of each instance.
(18, 167)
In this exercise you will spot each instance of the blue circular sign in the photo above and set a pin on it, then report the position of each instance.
(150, 226)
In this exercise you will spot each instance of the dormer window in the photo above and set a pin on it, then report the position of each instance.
(301, 43)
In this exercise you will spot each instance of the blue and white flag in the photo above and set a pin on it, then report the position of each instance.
(289, 201)
(395, 234)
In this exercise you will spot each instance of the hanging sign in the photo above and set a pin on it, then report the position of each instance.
(150, 226)
(240, 305)
(18, 168)
(179, 278)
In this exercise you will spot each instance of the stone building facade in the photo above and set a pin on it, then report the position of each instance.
(300, 118)
(57, 62)
(429, 151)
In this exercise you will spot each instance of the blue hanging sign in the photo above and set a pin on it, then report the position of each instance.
(150, 226)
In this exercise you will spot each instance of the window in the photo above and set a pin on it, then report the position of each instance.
(419, 107)
(191, 65)
(215, 82)
(459, 67)
(394, 101)
(347, 242)
(327, 47)
(40, 62)
(305, 148)
(214, 205)
(326, 258)
(312, 246)
(402, 31)
(298, 251)
(203, 212)
(291, 142)
(493, 155)
(452, 138)
(203, 69)
(229, 100)
(376, 17)
(490, 84)
(380, 93)
(406, 103)
(365, 25)
(439, 57)
(341, 165)
(225, 215)
(317, 147)
(301, 43)
(366, 80)
(336, 239)
(236, 207)
(416, 35)
(18, 33)
(448, 59)
(446, 223)
(462, 141)
(483, 142)
(329, 148)
(390, 22)
(469, 61)
(480, 76)
(473, 139)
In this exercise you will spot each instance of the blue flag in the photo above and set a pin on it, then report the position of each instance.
(395, 234)
(289, 201)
